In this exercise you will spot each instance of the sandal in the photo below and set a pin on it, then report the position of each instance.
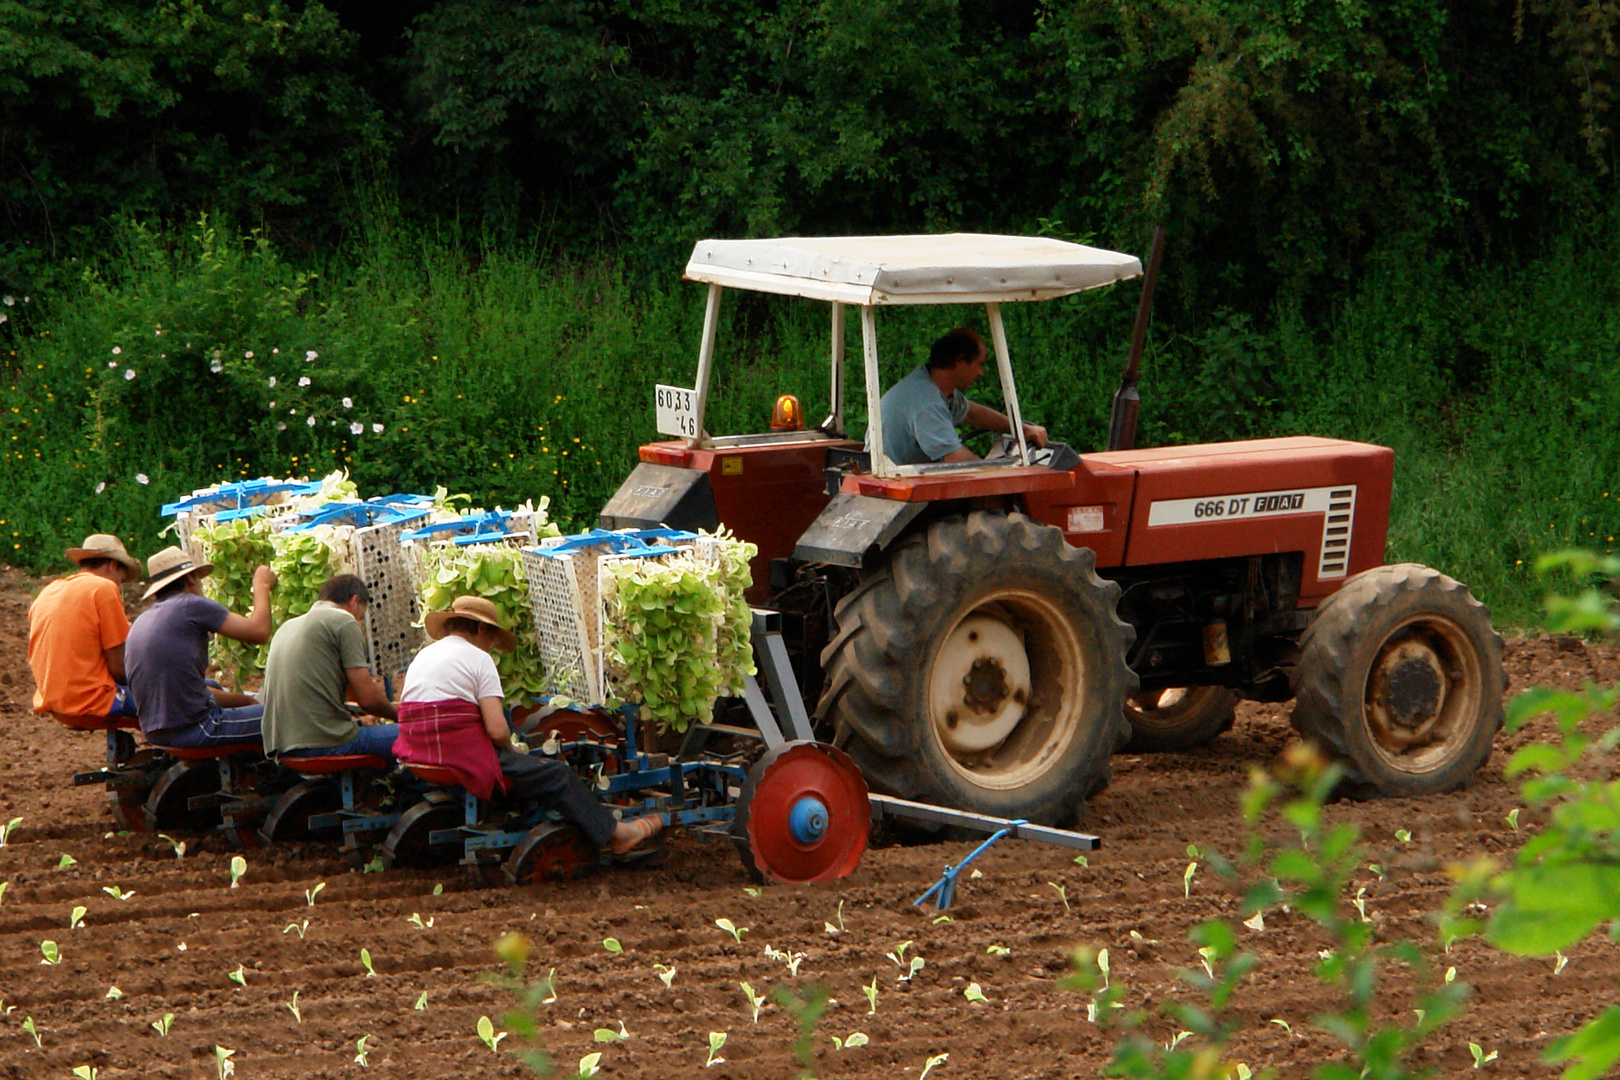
(646, 827)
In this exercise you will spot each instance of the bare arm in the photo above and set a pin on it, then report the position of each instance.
(985, 418)
(495, 725)
(368, 695)
(115, 662)
(231, 699)
(254, 628)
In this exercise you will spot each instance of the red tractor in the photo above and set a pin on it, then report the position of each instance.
(985, 635)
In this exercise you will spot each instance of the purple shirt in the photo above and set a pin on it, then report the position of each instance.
(166, 658)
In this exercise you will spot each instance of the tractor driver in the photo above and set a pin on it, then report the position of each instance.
(921, 411)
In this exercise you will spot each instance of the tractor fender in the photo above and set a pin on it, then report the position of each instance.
(855, 528)
(662, 495)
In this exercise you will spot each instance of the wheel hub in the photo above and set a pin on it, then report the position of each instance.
(980, 687)
(1408, 693)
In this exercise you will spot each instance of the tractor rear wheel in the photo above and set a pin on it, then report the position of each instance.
(1178, 717)
(1400, 678)
(982, 667)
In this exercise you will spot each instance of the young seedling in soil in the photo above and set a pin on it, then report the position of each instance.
(997, 950)
(28, 1026)
(750, 890)
(300, 928)
(788, 957)
(666, 975)
(162, 1024)
(115, 892)
(1558, 963)
(612, 945)
(112, 994)
(851, 1041)
(898, 956)
(421, 1002)
(3, 885)
(311, 894)
(1480, 1056)
(5, 830)
(928, 1066)
(829, 927)
(178, 846)
(1513, 819)
(915, 966)
(50, 952)
(76, 917)
(588, 1066)
(732, 928)
(1063, 895)
(607, 1035)
(975, 992)
(942, 919)
(66, 861)
(238, 868)
(292, 1007)
(239, 976)
(871, 992)
(360, 1050)
(755, 1001)
(222, 1059)
(486, 1032)
(365, 962)
(416, 920)
(85, 1072)
(717, 1039)
(1186, 878)
(1257, 923)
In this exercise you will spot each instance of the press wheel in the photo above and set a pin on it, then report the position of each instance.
(168, 805)
(407, 842)
(803, 815)
(552, 851)
(289, 817)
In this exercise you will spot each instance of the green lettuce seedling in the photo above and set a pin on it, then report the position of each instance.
(974, 992)
(1559, 960)
(85, 1072)
(732, 928)
(28, 1026)
(997, 950)
(940, 919)
(1081, 860)
(238, 868)
(360, 1050)
(1480, 1056)
(755, 1001)
(898, 956)
(113, 891)
(607, 1035)
(1063, 895)
(666, 975)
(50, 952)
(1258, 922)
(1513, 819)
(851, 1041)
(750, 890)
(5, 830)
(292, 1007)
(1186, 878)
(1285, 1025)
(717, 1039)
(588, 1065)
(301, 928)
(1403, 835)
(311, 894)
(66, 861)
(222, 1059)
(871, 992)
(928, 1066)
(839, 929)
(915, 966)
(239, 976)
(76, 917)
(3, 885)
(365, 962)
(421, 1002)
(416, 920)
(486, 1032)
(162, 1024)
(178, 846)
(112, 994)
(612, 945)
(1175, 1040)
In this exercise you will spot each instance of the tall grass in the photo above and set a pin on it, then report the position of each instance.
(502, 372)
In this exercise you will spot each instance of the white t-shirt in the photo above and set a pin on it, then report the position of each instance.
(452, 667)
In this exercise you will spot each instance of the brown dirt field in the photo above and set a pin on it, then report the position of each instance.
(171, 946)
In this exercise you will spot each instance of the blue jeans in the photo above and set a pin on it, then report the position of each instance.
(223, 727)
(123, 701)
(375, 739)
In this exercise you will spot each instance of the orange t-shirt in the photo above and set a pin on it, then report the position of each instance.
(71, 623)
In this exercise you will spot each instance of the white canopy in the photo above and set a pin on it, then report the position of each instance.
(956, 268)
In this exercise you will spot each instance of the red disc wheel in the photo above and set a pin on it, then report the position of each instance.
(551, 851)
(803, 815)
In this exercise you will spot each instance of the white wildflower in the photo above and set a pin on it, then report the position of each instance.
(248, 354)
(303, 380)
(348, 403)
(9, 302)
(356, 428)
(376, 429)
(118, 350)
(141, 478)
(216, 367)
(309, 357)
(310, 421)
(281, 425)
(129, 373)
(101, 487)
(271, 383)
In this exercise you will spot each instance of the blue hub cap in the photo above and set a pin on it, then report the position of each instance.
(807, 821)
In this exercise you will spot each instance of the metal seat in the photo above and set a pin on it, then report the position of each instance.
(325, 764)
(210, 753)
(442, 775)
(98, 723)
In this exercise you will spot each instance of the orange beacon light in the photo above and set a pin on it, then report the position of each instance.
(787, 415)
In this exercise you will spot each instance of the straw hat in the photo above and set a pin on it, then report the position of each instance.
(104, 546)
(475, 608)
(169, 564)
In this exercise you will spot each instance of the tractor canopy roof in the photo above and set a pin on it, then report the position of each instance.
(954, 268)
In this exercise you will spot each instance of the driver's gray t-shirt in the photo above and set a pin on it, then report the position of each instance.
(919, 423)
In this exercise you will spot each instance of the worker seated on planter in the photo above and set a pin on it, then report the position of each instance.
(450, 714)
(76, 633)
(315, 662)
(167, 656)
(921, 411)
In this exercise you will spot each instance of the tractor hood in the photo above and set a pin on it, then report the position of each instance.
(955, 268)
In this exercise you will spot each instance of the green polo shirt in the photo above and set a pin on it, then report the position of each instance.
(305, 680)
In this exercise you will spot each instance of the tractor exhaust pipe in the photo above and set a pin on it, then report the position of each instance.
(1127, 402)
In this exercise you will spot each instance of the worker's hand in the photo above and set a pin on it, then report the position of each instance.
(1034, 433)
(264, 578)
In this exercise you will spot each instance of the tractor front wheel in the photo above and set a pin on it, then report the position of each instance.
(982, 667)
(1400, 679)
(1178, 717)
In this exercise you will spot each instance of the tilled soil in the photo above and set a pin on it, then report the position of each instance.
(172, 946)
